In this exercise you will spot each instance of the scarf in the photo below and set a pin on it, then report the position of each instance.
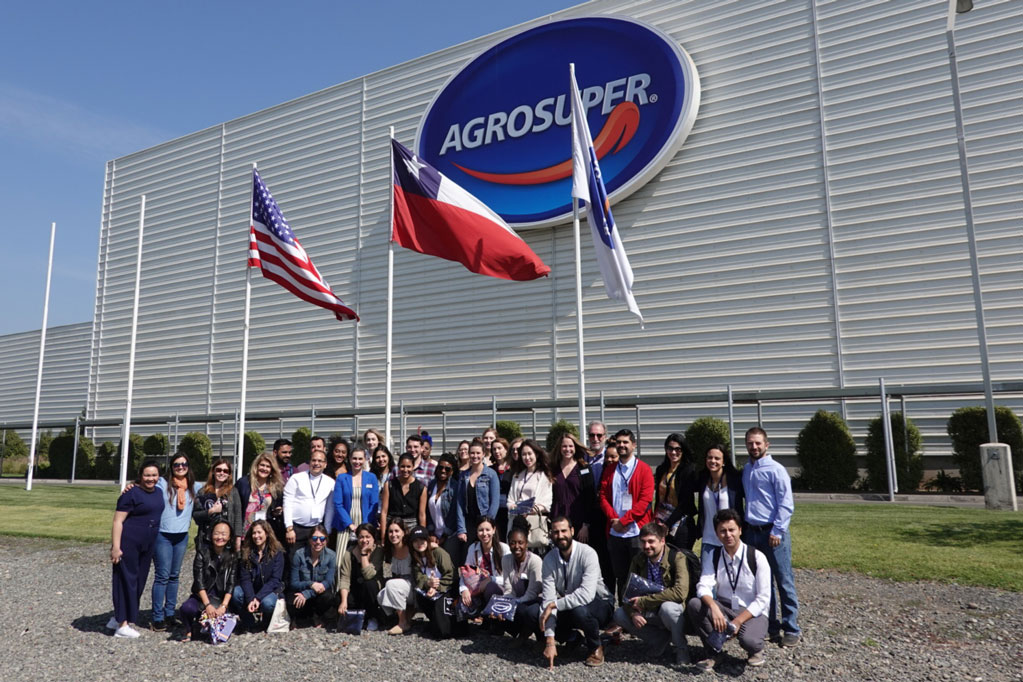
(181, 484)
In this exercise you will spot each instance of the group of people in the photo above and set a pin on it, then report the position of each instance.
(575, 545)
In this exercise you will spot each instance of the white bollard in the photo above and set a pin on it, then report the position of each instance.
(999, 483)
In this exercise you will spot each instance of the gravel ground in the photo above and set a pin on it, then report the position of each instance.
(56, 599)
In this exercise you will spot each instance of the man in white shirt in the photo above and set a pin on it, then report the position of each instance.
(308, 497)
(733, 594)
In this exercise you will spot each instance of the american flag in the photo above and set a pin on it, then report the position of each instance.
(275, 249)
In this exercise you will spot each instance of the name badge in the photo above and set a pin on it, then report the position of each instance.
(626, 502)
(260, 515)
(735, 603)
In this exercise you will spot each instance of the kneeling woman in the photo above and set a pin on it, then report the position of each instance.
(523, 580)
(396, 596)
(434, 578)
(486, 555)
(361, 576)
(213, 578)
(260, 575)
(311, 583)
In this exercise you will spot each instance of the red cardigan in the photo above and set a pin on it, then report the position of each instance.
(641, 487)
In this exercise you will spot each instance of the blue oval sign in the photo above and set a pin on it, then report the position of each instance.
(501, 127)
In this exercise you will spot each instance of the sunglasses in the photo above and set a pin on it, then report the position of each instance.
(221, 471)
(318, 538)
(595, 435)
(179, 465)
(445, 468)
(668, 448)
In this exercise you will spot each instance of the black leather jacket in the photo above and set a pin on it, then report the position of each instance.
(215, 574)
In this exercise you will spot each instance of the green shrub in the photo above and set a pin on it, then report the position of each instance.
(557, 430)
(706, 432)
(300, 445)
(62, 455)
(156, 446)
(967, 428)
(253, 445)
(43, 441)
(909, 462)
(136, 455)
(827, 453)
(13, 445)
(199, 449)
(509, 430)
(106, 467)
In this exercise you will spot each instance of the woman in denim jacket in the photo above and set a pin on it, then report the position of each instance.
(311, 582)
(441, 507)
(479, 493)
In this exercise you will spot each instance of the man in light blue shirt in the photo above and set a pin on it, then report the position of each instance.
(769, 509)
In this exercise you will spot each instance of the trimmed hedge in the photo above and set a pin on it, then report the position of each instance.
(156, 446)
(827, 453)
(300, 445)
(909, 462)
(509, 430)
(62, 455)
(967, 428)
(105, 467)
(199, 449)
(136, 455)
(706, 432)
(253, 446)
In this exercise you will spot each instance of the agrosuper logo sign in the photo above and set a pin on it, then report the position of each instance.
(501, 127)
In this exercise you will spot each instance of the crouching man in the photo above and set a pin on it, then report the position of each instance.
(733, 594)
(657, 618)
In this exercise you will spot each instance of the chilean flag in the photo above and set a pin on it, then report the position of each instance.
(433, 215)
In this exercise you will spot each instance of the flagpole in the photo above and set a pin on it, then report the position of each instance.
(240, 443)
(125, 434)
(578, 293)
(39, 373)
(390, 299)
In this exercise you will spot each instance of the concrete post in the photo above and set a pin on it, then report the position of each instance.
(999, 483)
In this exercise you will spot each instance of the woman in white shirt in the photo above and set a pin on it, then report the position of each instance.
(531, 494)
(486, 557)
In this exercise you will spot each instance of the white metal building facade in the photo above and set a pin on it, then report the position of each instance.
(810, 233)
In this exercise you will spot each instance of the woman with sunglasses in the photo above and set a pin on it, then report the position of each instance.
(396, 596)
(440, 507)
(132, 539)
(311, 582)
(218, 501)
(213, 579)
(260, 575)
(674, 503)
(180, 489)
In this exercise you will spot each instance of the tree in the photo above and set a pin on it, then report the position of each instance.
(13, 446)
(62, 455)
(509, 430)
(197, 446)
(156, 446)
(106, 467)
(136, 455)
(557, 430)
(909, 462)
(967, 428)
(300, 445)
(705, 433)
(253, 445)
(827, 453)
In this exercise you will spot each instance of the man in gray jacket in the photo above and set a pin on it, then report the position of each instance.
(574, 596)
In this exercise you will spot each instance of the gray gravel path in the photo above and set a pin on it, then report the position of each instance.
(55, 601)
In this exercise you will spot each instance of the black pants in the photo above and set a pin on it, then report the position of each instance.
(589, 618)
(441, 624)
(302, 534)
(362, 595)
(621, 551)
(323, 605)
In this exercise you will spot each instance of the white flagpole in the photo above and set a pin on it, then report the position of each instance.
(39, 374)
(240, 443)
(390, 299)
(125, 439)
(578, 294)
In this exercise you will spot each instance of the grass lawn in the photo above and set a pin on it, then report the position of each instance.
(966, 546)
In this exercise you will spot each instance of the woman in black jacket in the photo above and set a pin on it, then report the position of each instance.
(213, 579)
(218, 501)
(674, 504)
(718, 486)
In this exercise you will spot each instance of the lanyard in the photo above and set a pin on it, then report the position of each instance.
(620, 469)
(319, 481)
(733, 581)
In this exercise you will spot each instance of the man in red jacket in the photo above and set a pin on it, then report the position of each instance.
(626, 493)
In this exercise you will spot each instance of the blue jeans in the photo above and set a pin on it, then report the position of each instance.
(241, 607)
(169, 552)
(780, 559)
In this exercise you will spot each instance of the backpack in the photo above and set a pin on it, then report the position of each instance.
(751, 559)
(693, 568)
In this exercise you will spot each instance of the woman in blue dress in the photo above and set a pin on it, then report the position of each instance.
(132, 542)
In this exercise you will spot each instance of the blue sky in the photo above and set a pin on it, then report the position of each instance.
(83, 83)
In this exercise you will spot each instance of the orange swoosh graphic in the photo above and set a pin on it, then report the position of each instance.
(618, 130)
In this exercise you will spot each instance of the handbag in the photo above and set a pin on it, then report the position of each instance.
(350, 622)
(473, 579)
(280, 621)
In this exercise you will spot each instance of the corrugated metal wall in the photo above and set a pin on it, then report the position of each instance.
(731, 243)
(65, 374)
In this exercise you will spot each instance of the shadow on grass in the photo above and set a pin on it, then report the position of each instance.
(963, 534)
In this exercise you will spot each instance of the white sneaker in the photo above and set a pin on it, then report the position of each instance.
(372, 625)
(127, 632)
(112, 624)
